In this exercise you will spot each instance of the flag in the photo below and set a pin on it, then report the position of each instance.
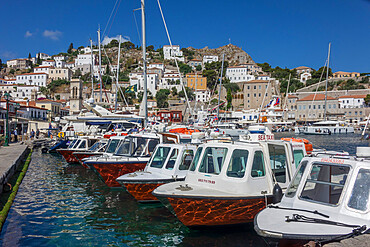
(277, 101)
(269, 103)
(132, 88)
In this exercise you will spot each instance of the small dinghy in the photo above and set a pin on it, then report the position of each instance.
(327, 200)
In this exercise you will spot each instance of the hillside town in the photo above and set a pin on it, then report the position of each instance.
(42, 89)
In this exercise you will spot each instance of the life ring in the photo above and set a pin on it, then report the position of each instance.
(61, 134)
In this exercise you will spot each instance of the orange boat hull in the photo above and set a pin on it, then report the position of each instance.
(142, 191)
(110, 172)
(68, 155)
(214, 212)
(81, 155)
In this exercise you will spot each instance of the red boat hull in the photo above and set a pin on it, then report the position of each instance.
(68, 155)
(142, 191)
(214, 212)
(81, 155)
(110, 172)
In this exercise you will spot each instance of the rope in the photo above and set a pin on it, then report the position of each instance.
(110, 17)
(137, 27)
(303, 210)
(305, 219)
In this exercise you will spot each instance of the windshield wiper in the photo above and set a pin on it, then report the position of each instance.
(302, 210)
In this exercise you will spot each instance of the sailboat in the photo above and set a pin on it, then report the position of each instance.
(325, 127)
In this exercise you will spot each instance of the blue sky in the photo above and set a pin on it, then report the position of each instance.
(286, 33)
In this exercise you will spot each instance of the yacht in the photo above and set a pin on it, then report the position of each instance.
(230, 182)
(169, 163)
(231, 129)
(328, 199)
(325, 128)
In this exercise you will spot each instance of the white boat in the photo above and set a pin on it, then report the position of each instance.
(325, 128)
(230, 182)
(169, 163)
(230, 129)
(327, 200)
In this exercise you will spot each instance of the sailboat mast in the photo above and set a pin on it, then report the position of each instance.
(219, 92)
(326, 84)
(119, 55)
(92, 70)
(145, 96)
(100, 78)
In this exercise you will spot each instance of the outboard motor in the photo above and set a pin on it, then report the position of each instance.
(277, 194)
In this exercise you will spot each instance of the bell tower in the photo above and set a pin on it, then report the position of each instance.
(75, 99)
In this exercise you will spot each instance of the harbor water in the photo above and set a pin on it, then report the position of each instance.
(60, 204)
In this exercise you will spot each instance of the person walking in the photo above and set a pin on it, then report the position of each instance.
(37, 133)
(32, 135)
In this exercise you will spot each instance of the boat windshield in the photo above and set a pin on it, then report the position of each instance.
(296, 180)
(137, 146)
(172, 160)
(361, 191)
(112, 145)
(75, 145)
(72, 143)
(238, 163)
(298, 156)
(194, 163)
(159, 157)
(186, 159)
(97, 146)
(278, 162)
(213, 160)
(325, 183)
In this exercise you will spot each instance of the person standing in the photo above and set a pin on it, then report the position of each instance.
(15, 135)
(32, 134)
(37, 133)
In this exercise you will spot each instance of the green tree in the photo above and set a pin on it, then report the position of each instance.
(162, 98)
(184, 68)
(189, 92)
(174, 91)
(12, 71)
(199, 67)
(128, 45)
(231, 86)
(69, 51)
(265, 67)
(1, 64)
(29, 56)
(211, 77)
(229, 98)
(38, 59)
(317, 74)
(188, 53)
(150, 48)
(106, 79)
(367, 100)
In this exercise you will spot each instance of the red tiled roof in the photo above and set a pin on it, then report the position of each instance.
(360, 96)
(317, 97)
(32, 74)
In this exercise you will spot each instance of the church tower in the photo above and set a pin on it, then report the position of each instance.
(75, 99)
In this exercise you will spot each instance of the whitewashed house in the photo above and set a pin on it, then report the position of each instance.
(48, 63)
(305, 76)
(84, 59)
(173, 52)
(171, 80)
(60, 73)
(202, 95)
(239, 73)
(60, 61)
(43, 56)
(22, 92)
(42, 69)
(263, 77)
(37, 79)
(138, 79)
(156, 65)
(70, 65)
(33, 112)
(352, 101)
(209, 59)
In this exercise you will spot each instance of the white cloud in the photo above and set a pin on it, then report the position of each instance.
(107, 39)
(54, 35)
(28, 34)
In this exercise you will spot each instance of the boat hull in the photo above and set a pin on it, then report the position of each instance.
(81, 155)
(109, 172)
(68, 155)
(214, 211)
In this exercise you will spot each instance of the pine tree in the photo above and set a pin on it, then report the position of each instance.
(38, 59)
(69, 51)
(29, 56)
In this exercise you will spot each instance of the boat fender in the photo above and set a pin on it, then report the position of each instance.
(277, 193)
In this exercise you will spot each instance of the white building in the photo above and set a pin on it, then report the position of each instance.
(42, 69)
(156, 65)
(96, 71)
(302, 69)
(43, 56)
(70, 65)
(173, 52)
(60, 73)
(170, 80)
(263, 77)
(86, 49)
(8, 81)
(18, 92)
(305, 76)
(37, 79)
(60, 61)
(33, 112)
(352, 101)
(209, 59)
(138, 79)
(48, 63)
(202, 95)
(239, 73)
(84, 59)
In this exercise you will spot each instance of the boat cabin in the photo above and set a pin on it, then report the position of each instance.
(83, 143)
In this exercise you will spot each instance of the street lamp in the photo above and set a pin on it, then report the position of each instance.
(6, 143)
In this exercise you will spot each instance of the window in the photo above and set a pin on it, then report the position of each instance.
(258, 166)
(196, 159)
(237, 163)
(360, 193)
(255, 87)
(278, 162)
(213, 160)
(152, 144)
(187, 157)
(325, 183)
(160, 157)
(298, 156)
(172, 160)
(290, 192)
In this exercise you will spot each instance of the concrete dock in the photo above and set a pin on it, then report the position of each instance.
(11, 158)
